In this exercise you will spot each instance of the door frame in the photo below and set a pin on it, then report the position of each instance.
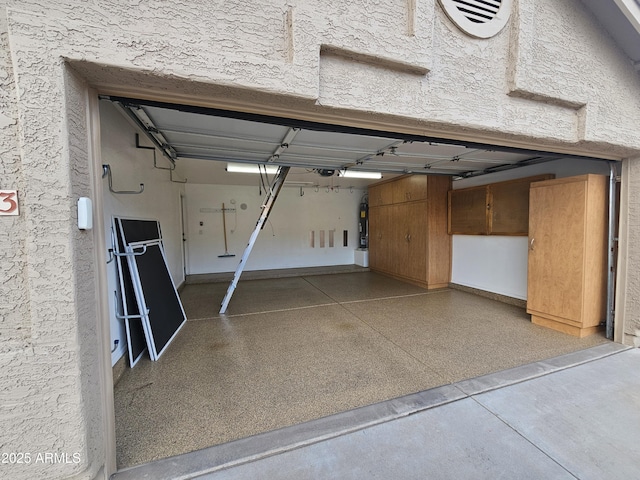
(353, 119)
(183, 225)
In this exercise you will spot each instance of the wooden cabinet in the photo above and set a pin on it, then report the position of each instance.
(380, 233)
(500, 208)
(408, 229)
(380, 194)
(468, 211)
(567, 253)
(414, 235)
(410, 188)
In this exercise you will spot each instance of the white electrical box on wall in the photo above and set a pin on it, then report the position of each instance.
(85, 214)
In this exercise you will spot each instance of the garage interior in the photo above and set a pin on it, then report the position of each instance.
(308, 332)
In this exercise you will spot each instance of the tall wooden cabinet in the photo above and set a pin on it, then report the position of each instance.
(567, 253)
(408, 236)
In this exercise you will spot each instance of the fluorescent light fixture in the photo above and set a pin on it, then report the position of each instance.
(251, 168)
(359, 174)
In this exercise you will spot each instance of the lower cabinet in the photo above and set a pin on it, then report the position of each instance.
(409, 239)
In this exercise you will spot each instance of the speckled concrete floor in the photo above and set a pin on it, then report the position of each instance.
(294, 349)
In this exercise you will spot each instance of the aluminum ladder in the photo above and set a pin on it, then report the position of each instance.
(270, 199)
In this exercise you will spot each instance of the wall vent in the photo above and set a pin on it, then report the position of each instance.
(478, 18)
(478, 11)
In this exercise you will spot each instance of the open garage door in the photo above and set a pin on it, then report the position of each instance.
(183, 131)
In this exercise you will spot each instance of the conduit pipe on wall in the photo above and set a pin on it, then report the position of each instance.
(106, 172)
(611, 267)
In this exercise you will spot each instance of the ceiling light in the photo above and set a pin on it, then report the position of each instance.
(359, 174)
(251, 168)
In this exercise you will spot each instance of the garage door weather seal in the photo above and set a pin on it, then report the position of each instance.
(270, 199)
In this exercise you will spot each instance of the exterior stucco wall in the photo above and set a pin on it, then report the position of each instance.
(50, 405)
(14, 299)
(628, 304)
(552, 79)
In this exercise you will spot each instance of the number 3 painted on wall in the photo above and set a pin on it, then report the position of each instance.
(9, 202)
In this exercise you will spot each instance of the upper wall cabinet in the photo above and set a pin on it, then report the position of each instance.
(495, 209)
(380, 194)
(468, 211)
(408, 188)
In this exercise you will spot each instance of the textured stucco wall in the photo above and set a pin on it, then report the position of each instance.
(14, 299)
(51, 423)
(551, 79)
(629, 303)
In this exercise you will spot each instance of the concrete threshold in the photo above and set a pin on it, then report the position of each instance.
(269, 444)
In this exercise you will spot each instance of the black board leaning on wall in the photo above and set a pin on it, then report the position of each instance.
(136, 344)
(159, 295)
(135, 231)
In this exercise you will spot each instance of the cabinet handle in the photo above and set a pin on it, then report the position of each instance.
(407, 237)
(531, 244)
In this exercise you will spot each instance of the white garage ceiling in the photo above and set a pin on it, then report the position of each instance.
(219, 137)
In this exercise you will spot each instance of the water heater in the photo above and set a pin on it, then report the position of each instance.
(363, 226)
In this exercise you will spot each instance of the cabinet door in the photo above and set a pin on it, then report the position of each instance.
(439, 241)
(407, 240)
(399, 247)
(375, 197)
(410, 188)
(374, 238)
(381, 194)
(556, 249)
(468, 211)
(415, 238)
(380, 241)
